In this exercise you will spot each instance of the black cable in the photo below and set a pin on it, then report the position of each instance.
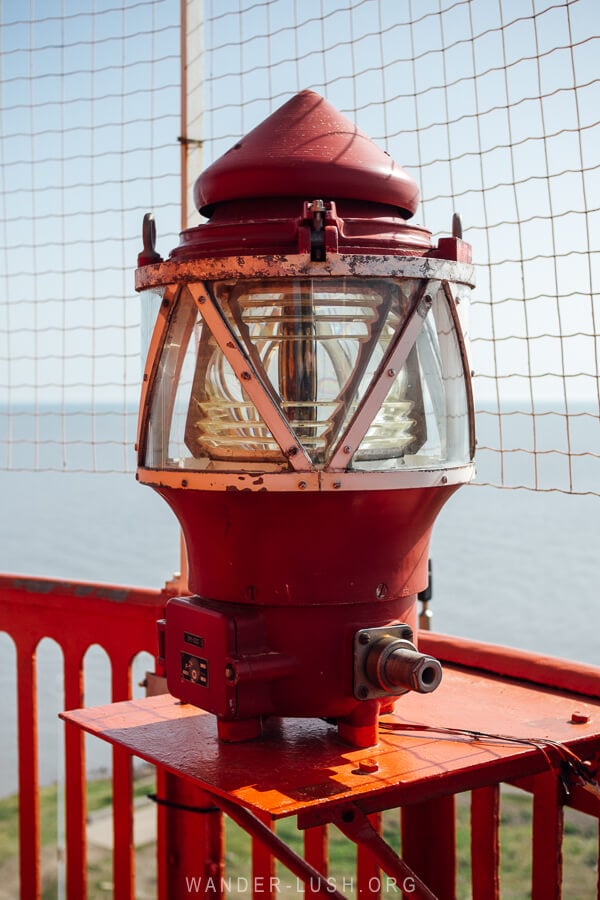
(172, 805)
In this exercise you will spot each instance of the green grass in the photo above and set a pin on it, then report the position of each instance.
(580, 846)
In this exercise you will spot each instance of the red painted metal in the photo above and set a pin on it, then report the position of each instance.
(316, 848)
(303, 769)
(531, 668)
(75, 615)
(297, 599)
(250, 822)
(548, 823)
(358, 827)
(284, 563)
(29, 815)
(78, 615)
(263, 864)
(312, 775)
(485, 843)
(274, 227)
(429, 843)
(307, 149)
(190, 843)
(75, 793)
(369, 878)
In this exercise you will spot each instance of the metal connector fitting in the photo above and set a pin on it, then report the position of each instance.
(386, 662)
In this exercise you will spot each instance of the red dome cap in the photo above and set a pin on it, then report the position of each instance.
(306, 149)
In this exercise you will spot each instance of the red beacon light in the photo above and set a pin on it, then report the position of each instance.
(306, 412)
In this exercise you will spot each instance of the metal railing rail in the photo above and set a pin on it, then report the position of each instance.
(122, 621)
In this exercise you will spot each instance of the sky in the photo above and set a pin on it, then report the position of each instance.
(490, 106)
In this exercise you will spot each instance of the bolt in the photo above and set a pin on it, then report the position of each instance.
(302, 485)
(337, 484)
(347, 449)
(427, 300)
(579, 718)
(246, 376)
(364, 638)
(381, 591)
(367, 766)
(363, 692)
(292, 451)
(184, 482)
(444, 479)
(391, 372)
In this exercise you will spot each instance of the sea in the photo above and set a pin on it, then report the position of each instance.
(512, 567)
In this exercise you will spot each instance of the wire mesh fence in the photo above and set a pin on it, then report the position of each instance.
(90, 116)
(491, 106)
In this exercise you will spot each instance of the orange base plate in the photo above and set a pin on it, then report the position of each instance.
(300, 766)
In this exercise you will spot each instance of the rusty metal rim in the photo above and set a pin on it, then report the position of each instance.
(305, 481)
(300, 265)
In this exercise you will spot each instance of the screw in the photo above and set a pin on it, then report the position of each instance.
(444, 479)
(364, 638)
(363, 692)
(246, 376)
(302, 485)
(381, 591)
(391, 372)
(337, 484)
(292, 451)
(184, 482)
(347, 449)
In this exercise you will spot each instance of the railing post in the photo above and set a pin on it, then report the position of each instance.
(316, 841)
(428, 844)
(548, 821)
(29, 810)
(190, 845)
(485, 843)
(368, 873)
(75, 784)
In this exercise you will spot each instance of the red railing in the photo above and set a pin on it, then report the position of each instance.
(122, 621)
(75, 615)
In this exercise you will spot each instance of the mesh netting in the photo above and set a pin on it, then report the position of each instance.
(491, 106)
(90, 117)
